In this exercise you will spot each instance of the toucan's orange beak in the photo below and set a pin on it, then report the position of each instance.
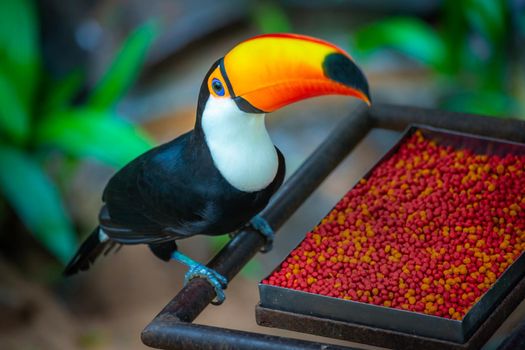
(268, 72)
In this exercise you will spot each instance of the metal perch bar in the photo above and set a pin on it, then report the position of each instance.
(172, 327)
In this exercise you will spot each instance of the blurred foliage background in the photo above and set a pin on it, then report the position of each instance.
(85, 86)
(41, 115)
(474, 50)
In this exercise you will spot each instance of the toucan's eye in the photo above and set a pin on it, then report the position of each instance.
(216, 85)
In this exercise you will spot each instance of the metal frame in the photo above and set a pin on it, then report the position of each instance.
(172, 328)
(394, 339)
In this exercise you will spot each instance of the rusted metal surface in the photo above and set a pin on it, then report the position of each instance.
(399, 117)
(172, 328)
(180, 335)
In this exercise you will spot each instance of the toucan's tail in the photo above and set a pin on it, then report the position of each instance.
(88, 252)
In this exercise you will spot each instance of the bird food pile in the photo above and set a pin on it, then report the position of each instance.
(429, 231)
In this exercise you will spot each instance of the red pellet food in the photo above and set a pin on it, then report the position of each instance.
(430, 231)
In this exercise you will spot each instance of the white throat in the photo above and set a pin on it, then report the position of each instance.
(239, 145)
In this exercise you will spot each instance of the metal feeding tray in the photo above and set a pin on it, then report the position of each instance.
(408, 322)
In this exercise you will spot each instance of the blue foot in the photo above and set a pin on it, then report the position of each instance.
(197, 270)
(261, 225)
(218, 281)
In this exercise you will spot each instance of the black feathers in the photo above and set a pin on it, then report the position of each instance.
(163, 251)
(88, 252)
(175, 191)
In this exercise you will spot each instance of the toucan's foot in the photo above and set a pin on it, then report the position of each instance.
(218, 281)
(197, 270)
(265, 229)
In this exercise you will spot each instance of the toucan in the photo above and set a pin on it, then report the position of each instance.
(216, 178)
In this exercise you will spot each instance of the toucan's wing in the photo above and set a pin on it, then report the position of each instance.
(124, 206)
(150, 199)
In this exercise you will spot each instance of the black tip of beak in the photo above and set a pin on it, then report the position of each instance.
(342, 69)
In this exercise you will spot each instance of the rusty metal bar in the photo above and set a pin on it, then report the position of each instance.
(183, 335)
(168, 330)
(399, 117)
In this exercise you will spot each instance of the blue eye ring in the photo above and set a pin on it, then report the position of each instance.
(217, 87)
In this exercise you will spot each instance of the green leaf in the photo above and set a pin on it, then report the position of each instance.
(482, 102)
(271, 18)
(19, 47)
(62, 92)
(454, 31)
(487, 17)
(409, 36)
(14, 121)
(91, 133)
(37, 202)
(124, 69)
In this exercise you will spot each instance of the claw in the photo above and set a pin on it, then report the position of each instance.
(197, 270)
(261, 225)
(218, 281)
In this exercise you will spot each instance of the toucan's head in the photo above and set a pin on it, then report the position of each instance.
(261, 75)
(267, 72)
